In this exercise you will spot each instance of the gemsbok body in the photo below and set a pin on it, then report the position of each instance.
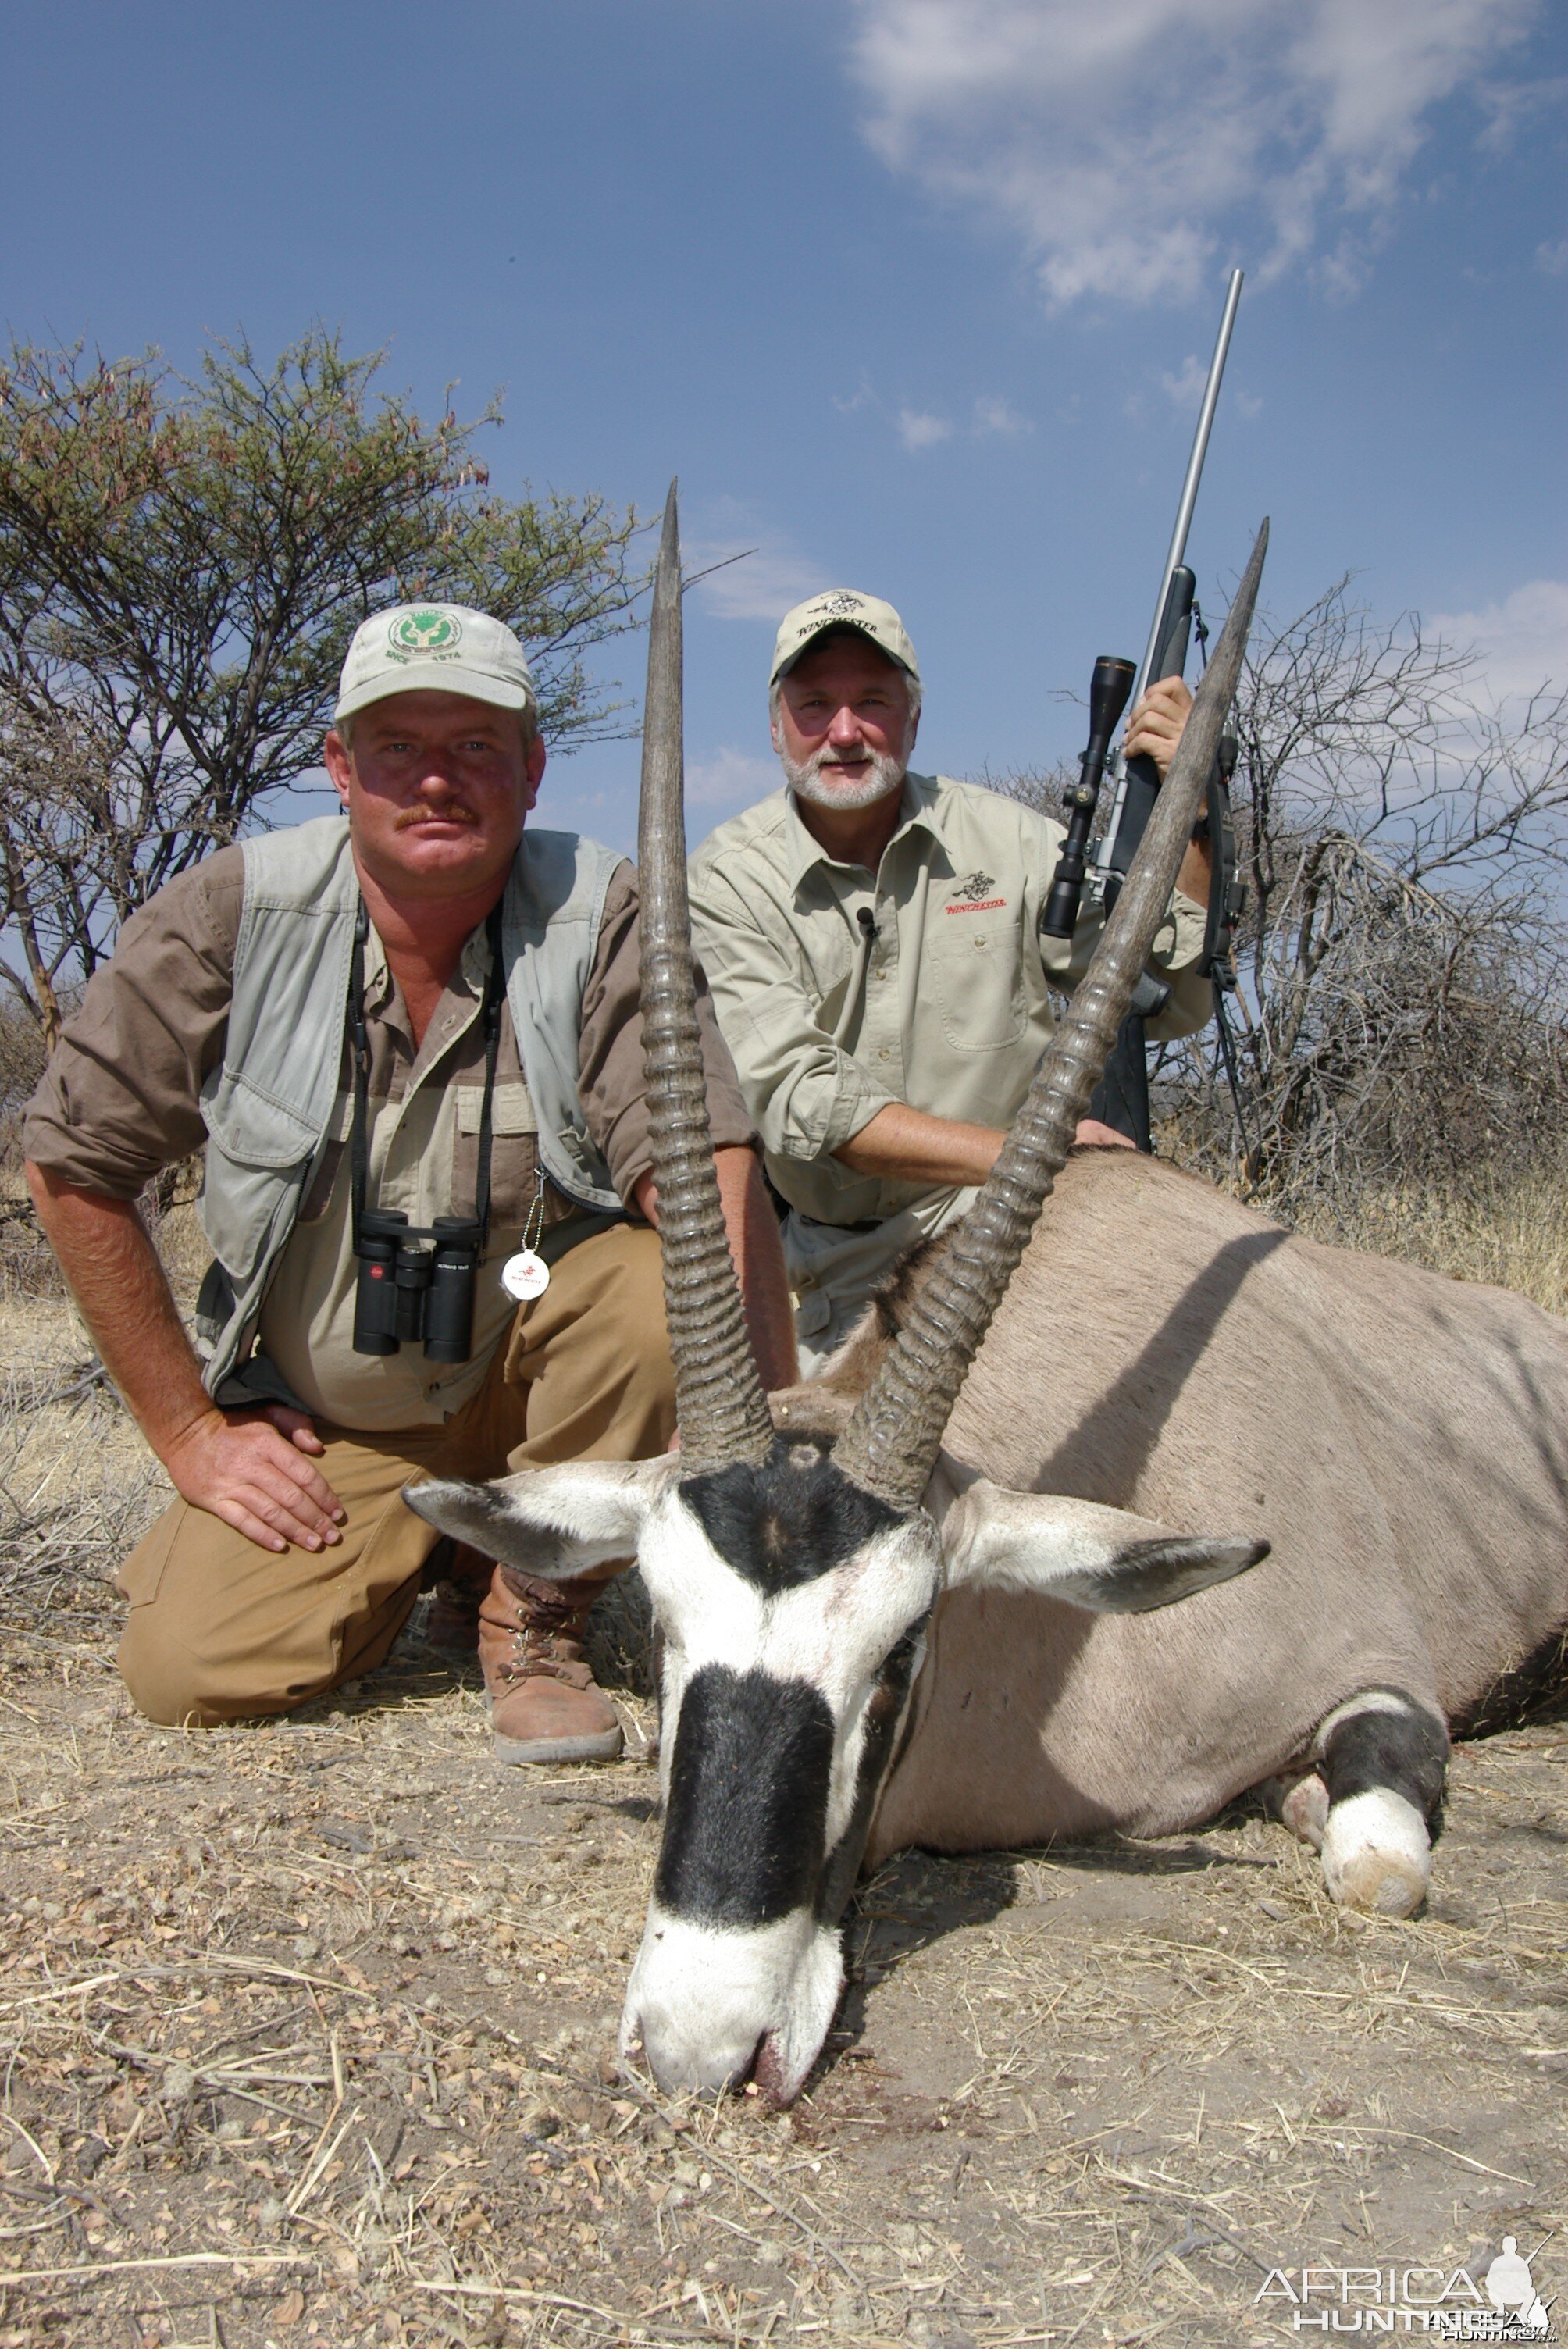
(932, 1597)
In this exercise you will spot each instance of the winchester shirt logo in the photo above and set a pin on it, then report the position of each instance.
(973, 895)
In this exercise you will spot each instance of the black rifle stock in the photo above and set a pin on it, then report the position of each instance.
(1122, 1098)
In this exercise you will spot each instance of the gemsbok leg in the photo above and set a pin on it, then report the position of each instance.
(1372, 1802)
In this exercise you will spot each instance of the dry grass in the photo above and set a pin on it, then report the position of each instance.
(313, 2026)
(78, 1486)
(306, 2030)
(1514, 1233)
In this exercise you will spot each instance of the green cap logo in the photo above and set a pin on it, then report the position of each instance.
(422, 634)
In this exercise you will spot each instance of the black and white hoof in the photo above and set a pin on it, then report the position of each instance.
(1372, 1802)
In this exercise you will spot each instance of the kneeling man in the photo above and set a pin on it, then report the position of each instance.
(409, 1047)
(872, 939)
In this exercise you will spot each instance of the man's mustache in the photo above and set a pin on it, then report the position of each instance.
(451, 812)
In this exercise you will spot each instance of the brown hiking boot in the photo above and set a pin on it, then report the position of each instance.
(546, 1705)
(457, 1578)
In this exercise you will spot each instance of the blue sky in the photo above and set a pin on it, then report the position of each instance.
(910, 292)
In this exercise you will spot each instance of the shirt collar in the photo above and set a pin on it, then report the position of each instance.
(474, 962)
(383, 998)
(918, 811)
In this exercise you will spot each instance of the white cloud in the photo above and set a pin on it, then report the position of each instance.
(991, 418)
(1522, 642)
(732, 778)
(917, 428)
(1512, 104)
(863, 396)
(1131, 141)
(760, 579)
(1184, 388)
(1552, 258)
(998, 417)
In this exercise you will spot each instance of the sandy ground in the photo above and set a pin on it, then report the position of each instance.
(307, 2030)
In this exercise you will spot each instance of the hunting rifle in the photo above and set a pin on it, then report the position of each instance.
(1122, 1098)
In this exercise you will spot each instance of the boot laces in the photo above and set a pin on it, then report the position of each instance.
(549, 1643)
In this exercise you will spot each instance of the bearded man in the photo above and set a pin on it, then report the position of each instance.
(409, 1046)
(873, 940)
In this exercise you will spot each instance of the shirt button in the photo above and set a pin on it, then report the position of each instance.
(884, 1053)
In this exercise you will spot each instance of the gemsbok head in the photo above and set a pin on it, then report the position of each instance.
(792, 1574)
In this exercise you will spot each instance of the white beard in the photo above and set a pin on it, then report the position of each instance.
(807, 779)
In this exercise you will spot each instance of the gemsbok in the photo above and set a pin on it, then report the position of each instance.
(915, 1602)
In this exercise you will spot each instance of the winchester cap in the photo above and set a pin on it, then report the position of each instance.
(841, 607)
(438, 649)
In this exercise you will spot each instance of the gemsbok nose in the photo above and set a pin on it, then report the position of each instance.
(711, 2007)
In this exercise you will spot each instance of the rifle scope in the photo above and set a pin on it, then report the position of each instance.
(1109, 689)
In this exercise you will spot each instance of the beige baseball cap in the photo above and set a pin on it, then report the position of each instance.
(841, 607)
(434, 648)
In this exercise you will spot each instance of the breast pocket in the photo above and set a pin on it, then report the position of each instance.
(978, 982)
(514, 1150)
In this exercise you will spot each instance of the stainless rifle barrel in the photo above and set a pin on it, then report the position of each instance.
(1194, 474)
(1177, 551)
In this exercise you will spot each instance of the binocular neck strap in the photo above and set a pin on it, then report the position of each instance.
(359, 1039)
(495, 997)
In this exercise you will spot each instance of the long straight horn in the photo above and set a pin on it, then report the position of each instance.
(891, 1444)
(722, 1409)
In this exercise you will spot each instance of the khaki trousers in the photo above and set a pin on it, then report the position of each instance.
(220, 1629)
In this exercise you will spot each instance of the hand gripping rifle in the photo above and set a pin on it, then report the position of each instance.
(1122, 1098)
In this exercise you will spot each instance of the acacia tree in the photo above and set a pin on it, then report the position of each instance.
(181, 566)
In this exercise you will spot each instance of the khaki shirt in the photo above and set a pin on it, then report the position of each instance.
(122, 1098)
(928, 982)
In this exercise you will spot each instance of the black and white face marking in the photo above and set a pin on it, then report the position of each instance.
(746, 1798)
(793, 1607)
(791, 1603)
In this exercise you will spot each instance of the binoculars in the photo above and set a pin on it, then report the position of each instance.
(415, 1287)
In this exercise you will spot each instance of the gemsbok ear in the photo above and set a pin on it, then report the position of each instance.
(1089, 1557)
(553, 1522)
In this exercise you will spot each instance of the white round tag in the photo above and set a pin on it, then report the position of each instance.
(525, 1277)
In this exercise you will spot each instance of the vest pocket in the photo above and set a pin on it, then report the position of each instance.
(257, 1152)
(252, 1128)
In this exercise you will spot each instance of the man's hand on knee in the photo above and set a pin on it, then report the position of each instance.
(250, 1468)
